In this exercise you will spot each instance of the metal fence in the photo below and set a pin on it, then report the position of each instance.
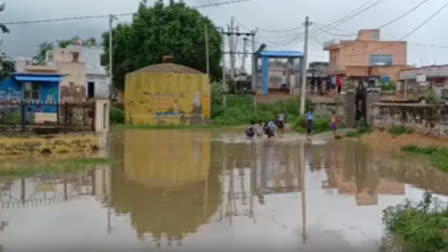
(45, 118)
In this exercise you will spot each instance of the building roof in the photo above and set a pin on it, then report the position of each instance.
(281, 54)
(168, 68)
(25, 77)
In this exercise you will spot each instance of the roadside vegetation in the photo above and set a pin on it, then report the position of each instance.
(400, 130)
(362, 129)
(420, 227)
(438, 156)
(51, 167)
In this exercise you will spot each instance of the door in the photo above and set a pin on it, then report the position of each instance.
(90, 89)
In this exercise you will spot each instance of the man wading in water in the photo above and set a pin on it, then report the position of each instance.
(309, 124)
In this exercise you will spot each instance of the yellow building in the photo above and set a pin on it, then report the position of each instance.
(167, 94)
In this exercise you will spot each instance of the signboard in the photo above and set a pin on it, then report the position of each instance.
(421, 78)
(164, 105)
(45, 117)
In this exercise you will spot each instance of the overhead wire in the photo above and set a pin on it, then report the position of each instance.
(404, 14)
(108, 15)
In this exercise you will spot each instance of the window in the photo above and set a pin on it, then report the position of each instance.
(31, 91)
(380, 60)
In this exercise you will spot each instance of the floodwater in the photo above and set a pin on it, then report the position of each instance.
(207, 190)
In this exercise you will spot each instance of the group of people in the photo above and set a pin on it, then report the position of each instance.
(331, 85)
(269, 129)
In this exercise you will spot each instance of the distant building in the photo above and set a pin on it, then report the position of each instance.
(417, 80)
(367, 56)
(85, 77)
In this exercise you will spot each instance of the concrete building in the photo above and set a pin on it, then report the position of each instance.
(167, 94)
(416, 81)
(367, 56)
(85, 77)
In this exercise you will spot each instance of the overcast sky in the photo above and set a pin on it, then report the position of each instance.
(264, 14)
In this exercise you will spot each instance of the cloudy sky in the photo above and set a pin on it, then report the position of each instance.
(428, 45)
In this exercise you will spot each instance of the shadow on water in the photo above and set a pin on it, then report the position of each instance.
(208, 190)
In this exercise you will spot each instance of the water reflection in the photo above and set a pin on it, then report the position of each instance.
(205, 190)
(166, 184)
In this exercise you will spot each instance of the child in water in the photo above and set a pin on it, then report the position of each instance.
(259, 129)
(309, 124)
(250, 131)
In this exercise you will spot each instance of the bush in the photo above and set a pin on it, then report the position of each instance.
(116, 116)
(431, 97)
(388, 86)
(399, 130)
(421, 226)
(240, 109)
(320, 124)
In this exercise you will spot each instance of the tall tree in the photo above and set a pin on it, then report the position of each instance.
(7, 66)
(159, 30)
(41, 56)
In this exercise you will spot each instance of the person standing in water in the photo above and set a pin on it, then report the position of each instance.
(281, 122)
(259, 129)
(334, 123)
(270, 129)
(250, 131)
(309, 123)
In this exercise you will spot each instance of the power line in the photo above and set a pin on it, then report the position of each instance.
(115, 15)
(425, 21)
(404, 14)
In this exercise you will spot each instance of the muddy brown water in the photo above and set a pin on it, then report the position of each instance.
(208, 190)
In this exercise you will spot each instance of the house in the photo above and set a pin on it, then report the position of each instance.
(39, 87)
(85, 77)
(367, 56)
(417, 81)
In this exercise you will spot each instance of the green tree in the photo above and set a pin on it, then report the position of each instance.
(3, 27)
(174, 29)
(7, 66)
(41, 56)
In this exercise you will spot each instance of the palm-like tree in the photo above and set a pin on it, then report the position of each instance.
(3, 26)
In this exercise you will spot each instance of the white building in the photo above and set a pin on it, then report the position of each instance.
(85, 77)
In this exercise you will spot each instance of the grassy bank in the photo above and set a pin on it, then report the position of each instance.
(421, 227)
(438, 156)
(51, 167)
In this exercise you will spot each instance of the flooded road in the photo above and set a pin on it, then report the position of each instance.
(206, 190)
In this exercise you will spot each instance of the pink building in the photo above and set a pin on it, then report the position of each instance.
(367, 56)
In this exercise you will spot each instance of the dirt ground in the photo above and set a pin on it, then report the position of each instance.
(385, 141)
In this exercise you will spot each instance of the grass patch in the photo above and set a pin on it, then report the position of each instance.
(52, 167)
(437, 156)
(361, 131)
(422, 227)
(399, 130)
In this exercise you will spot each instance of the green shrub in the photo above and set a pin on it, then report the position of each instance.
(422, 150)
(421, 226)
(431, 97)
(388, 86)
(116, 116)
(320, 124)
(399, 130)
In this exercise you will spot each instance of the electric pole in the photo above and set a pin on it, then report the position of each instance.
(304, 68)
(111, 76)
(223, 52)
(254, 63)
(207, 61)
(243, 62)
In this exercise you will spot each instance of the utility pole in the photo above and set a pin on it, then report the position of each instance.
(304, 68)
(223, 52)
(254, 63)
(243, 62)
(207, 52)
(111, 76)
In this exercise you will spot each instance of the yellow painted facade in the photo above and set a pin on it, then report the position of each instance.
(153, 98)
(166, 158)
